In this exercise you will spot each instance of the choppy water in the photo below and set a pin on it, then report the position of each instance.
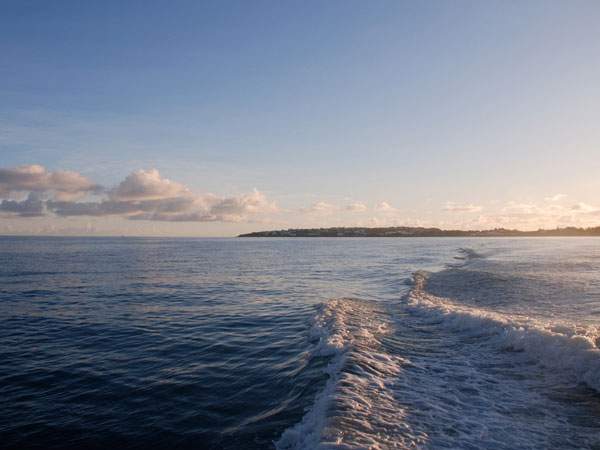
(300, 343)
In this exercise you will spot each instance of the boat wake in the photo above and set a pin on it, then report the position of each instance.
(435, 372)
(357, 408)
(562, 346)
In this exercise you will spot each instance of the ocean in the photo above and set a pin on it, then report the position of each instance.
(300, 343)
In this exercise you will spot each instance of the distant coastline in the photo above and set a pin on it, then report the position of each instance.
(419, 232)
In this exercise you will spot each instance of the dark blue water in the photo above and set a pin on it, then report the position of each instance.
(138, 342)
(234, 343)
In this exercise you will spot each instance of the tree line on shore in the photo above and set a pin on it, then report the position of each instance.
(419, 232)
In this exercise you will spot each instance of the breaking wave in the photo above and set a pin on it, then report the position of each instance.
(561, 346)
(467, 253)
(356, 409)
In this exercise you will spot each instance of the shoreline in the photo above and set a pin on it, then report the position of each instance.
(407, 232)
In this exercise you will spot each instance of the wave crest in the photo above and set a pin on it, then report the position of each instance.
(356, 409)
(562, 346)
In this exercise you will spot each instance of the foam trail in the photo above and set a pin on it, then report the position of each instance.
(561, 346)
(356, 409)
(467, 253)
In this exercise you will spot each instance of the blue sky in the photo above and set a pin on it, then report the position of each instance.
(458, 114)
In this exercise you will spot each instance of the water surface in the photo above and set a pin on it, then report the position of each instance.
(300, 343)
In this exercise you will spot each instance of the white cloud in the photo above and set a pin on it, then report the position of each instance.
(142, 185)
(531, 216)
(25, 189)
(553, 210)
(320, 209)
(524, 208)
(141, 196)
(555, 198)
(584, 208)
(189, 208)
(454, 207)
(235, 208)
(64, 183)
(384, 206)
(355, 207)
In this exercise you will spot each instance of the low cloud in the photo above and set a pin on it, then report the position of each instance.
(140, 196)
(533, 209)
(64, 184)
(531, 216)
(252, 203)
(188, 208)
(142, 185)
(454, 207)
(320, 209)
(355, 207)
(556, 198)
(384, 206)
(32, 207)
(583, 207)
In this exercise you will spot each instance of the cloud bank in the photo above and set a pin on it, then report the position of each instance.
(384, 207)
(32, 207)
(556, 198)
(453, 207)
(65, 184)
(320, 209)
(32, 191)
(140, 196)
(355, 207)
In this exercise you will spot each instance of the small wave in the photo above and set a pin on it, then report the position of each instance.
(563, 346)
(467, 253)
(356, 409)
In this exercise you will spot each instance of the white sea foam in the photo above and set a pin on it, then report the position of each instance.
(477, 378)
(356, 409)
(467, 253)
(562, 346)
(481, 379)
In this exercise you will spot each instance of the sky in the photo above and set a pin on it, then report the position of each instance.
(197, 118)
